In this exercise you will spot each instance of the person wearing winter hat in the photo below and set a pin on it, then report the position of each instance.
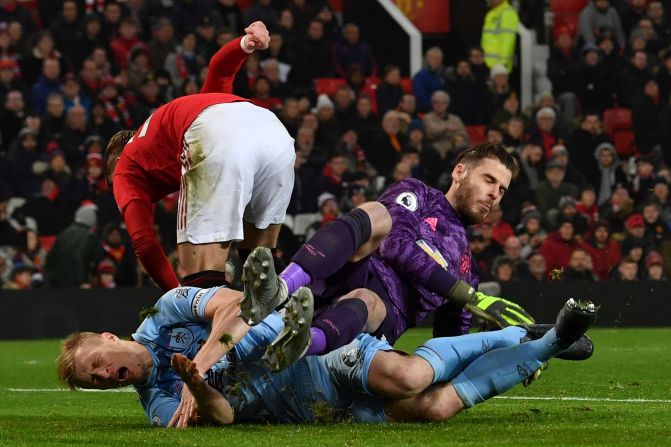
(70, 259)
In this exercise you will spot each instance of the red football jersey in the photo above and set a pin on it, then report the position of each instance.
(150, 167)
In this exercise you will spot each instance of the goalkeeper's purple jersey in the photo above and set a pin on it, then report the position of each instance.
(426, 230)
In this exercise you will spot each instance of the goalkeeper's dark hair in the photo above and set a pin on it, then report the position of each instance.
(495, 151)
(65, 364)
(113, 151)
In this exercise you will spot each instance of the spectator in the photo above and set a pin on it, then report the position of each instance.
(389, 91)
(599, 17)
(72, 96)
(660, 195)
(512, 248)
(537, 267)
(53, 121)
(604, 251)
(503, 269)
(644, 179)
(71, 260)
(350, 51)
(632, 79)
(470, 99)
(12, 118)
(656, 230)
(627, 270)
(364, 121)
(649, 120)
(563, 63)
(440, 124)
(50, 207)
(587, 207)
(531, 164)
(74, 134)
(635, 238)
(261, 10)
(616, 210)
(664, 74)
(510, 110)
(66, 29)
(429, 79)
(544, 132)
(654, 267)
(229, 15)
(431, 165)
(104, 278)
(279, 87)
(659, 20)
(501, 230)
(8, 80)
(116, 107)
(631, 12)
(92, 37)
(21, 278)
(592, 81)
(126, 41)
(185, 61)
(27, 162)
(558, 246)
(560, 154)
(584, 142)
(549, 191)
(315, 61)
(48, 83)
(101, 124)
(139, 69)
(483, 248)
(476, 59)
(328, 207)
(343, 102)
(579, 267)
(567, 210)
(162, 42)
(609, 173)
(499, 34)
(384, 150)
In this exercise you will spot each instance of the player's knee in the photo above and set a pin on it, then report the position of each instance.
(379, 218)
(406, 382)
(373, 302)
(442, 410)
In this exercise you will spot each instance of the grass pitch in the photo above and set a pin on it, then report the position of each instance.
(622, 396)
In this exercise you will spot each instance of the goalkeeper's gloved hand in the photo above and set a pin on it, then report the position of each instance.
(500, 312)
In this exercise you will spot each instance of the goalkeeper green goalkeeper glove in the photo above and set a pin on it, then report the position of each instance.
(500, 312)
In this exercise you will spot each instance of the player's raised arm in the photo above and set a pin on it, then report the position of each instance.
(226, 62)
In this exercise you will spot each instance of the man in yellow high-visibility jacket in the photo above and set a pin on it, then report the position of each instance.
(499, 33)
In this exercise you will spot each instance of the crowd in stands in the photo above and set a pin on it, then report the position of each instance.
(590, 200)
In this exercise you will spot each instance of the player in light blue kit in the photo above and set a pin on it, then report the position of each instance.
(384, 266)
(365, 379)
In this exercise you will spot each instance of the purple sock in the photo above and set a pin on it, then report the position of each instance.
(295, 277)
(334, 244)
(317, 341)
(340, 324)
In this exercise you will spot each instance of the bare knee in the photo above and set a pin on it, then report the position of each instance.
(443, 404)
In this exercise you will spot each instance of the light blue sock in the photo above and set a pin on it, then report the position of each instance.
(448, 356)
(501, 369)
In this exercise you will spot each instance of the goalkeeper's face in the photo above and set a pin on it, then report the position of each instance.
(107, 363)
(480, 188)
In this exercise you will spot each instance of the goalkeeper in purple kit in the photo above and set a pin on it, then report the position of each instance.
(383, 267)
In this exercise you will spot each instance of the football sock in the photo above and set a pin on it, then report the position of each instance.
(328, 250)
(501, 369)
(339, 324)
(448, 356)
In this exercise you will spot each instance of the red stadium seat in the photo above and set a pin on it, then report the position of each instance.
(477, 134)
(617, 118)
(328, 85)
(567, 6)
(624, 142)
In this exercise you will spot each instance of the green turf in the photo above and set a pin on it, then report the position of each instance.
(628, 364)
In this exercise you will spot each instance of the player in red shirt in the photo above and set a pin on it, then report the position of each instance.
(231, 161)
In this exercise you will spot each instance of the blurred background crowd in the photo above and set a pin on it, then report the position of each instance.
(590, 201)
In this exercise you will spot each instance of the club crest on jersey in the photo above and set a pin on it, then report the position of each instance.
(407, 200)
(182, 292)
(465, 264)
(180, 337)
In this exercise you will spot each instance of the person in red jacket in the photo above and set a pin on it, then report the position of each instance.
(605, 252)
(558, 247)
(232, 163)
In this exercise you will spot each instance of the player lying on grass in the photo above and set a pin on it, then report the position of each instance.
(387, 264)
(365, 379)
(231, 161)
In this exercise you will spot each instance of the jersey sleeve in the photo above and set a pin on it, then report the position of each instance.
(407, 202)
(223, 67)
(159, 405)
(139, 218)
(184, 304)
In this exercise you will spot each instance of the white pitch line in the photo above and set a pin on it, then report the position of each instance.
(568, 399)
(589, 399)
(63, 390)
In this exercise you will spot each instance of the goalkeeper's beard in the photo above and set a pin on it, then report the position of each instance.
(466, 204)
